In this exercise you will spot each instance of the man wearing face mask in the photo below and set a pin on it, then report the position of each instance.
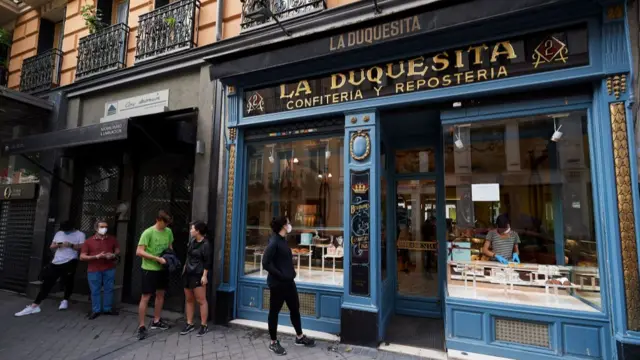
(278, 262)
(501, 244)
(101, 251)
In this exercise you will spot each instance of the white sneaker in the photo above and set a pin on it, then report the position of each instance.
(28, 311)
(64, 305)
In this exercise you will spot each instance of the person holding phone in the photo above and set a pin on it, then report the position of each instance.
(101, 251)
(66, 244)
(195, 277)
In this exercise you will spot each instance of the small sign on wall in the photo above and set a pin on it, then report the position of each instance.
(485, 192)
(146, 104)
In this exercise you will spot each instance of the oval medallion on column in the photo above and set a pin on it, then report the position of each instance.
(360, 145)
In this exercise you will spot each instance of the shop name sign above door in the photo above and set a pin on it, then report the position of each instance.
(146, 104)
(482, 62)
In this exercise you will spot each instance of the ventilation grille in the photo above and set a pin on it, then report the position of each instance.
(16, 235)
(522, 332)
(307, 302)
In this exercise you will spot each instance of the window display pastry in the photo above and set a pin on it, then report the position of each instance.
(501, 244)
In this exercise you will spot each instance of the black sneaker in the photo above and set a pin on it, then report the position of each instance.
(203, 330)
(187, 329)
(277, 349)
(159, 325)
(94, 315)
(305, 341)
(142, 333)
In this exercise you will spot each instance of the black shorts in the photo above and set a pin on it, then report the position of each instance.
(192, 281)
(154, 280)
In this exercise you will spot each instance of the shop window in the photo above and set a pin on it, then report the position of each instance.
(17, 169)
(517, 186)
(415, 161)
(301, 179)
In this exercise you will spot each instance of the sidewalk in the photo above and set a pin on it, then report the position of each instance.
(68, 335)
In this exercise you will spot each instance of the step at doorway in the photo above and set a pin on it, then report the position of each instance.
(425, 333)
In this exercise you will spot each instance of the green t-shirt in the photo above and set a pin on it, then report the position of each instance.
(155, 242)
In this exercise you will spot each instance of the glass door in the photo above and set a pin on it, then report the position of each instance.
(416, 238)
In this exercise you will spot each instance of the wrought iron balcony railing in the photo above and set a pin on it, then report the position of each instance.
(41, 72)
(167, 29)
(254, 14)
(103, 51)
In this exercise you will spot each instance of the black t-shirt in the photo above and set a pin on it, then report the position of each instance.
(198, 257)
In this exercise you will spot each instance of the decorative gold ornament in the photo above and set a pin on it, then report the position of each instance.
(364, 135)
(615, 12)
(625, 213)
(354, 120)
(229, 215)
(617, 85)
(233, 132)
(366, 118)
(231, 90)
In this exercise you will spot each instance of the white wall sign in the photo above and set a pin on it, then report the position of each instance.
(146, 104)
(485, 192)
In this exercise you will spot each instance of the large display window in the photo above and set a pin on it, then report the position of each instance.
(301, 179)
(519, 199)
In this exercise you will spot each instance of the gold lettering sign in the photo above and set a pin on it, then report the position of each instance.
(466, 65)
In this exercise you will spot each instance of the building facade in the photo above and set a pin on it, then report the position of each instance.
(469, 166)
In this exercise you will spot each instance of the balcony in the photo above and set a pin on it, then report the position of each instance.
(168, 29)
(254, 14)
(103, 51)
(41, 72)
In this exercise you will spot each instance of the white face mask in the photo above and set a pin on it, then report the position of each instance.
(288, 228)
(102, 231)
(508, 230)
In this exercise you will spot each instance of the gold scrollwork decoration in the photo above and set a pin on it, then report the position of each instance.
(367, 151)
(615, 12)
(617, 85)
(229, 215)
(625, 213)
(233, 132)
(231, 90)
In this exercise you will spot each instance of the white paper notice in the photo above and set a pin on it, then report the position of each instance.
(485, 192)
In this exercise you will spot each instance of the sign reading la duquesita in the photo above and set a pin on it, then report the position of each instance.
(482, 62)
(359, 239)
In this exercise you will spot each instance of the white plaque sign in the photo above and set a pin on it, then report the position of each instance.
(146, 104)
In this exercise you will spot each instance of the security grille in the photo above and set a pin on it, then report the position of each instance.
(163, 187)
(307, 302)
(16, 235)
(522, 332)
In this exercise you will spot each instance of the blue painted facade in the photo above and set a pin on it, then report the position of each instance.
(469, 324)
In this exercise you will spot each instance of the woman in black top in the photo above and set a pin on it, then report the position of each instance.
(278, 262)
(195, 274)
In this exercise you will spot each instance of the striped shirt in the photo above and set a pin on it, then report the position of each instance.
(503, 244)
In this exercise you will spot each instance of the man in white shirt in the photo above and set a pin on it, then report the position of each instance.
(66, 244)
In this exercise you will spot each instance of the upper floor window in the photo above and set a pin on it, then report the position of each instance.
(261, 12)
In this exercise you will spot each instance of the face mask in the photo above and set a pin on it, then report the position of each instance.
(508, 230)
(102, 231)
(288, 228)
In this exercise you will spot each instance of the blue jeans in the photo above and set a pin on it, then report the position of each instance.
(99, 280)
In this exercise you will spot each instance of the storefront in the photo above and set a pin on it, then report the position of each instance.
(480, 176)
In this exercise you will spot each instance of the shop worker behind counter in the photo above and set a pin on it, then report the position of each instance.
(155, 278)
(278, 262)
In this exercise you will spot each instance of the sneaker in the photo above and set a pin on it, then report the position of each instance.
(142, 333)
(28, 311)
(277, 349)
(93, 316)
(305, 341)
(159, 325)
(203, 330)
(187, 329)
(111, 312)
(64, 305)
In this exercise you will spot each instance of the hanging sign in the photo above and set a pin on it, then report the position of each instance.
(481, 62)
(360, 221)
(19, 191)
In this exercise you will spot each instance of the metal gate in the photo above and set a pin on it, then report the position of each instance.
(16, 234)
(163, 184)
(94, 197)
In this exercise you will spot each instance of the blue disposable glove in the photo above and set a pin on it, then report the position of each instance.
(501, 259)
(516, 258)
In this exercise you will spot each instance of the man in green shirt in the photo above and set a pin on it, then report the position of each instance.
(155, 278)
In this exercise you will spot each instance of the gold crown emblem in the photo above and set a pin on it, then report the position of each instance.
(360, 188)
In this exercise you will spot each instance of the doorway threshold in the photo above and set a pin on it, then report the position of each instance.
(431, 354)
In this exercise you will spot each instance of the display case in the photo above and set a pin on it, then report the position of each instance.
(525, 284)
